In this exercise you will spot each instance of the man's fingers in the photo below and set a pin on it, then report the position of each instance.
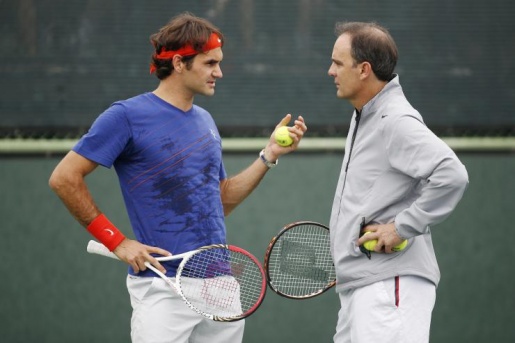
(137, 265)
(284, 121)
(156, 264)
(300, 125)
(158, 251)
(152, 260)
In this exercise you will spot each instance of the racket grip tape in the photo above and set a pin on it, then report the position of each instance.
(100, 249)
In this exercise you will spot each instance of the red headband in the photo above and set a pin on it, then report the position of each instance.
(213, 42)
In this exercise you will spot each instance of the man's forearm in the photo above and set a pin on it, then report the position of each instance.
(235, 189)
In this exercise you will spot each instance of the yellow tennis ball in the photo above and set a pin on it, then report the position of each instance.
(400, 246)
(370, 245)
(282, 136)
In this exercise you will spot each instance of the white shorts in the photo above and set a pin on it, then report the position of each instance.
(159, 315)
(396, 310)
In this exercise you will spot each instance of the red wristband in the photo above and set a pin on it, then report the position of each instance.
(105, 232)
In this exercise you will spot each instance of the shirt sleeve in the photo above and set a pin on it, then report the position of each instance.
(416, 151)
(223, 173)
(107, 137)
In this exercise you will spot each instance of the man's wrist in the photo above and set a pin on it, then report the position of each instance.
(105, 232)
(396, 228)
(266, 161)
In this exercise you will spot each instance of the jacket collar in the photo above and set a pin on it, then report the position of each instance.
(376, 101)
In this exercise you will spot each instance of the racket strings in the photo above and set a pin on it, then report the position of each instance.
(300, 261)
(222, 282)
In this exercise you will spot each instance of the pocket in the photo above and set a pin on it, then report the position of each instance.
(355, 233)
(361, 248)
(387, 292)
(139, 287)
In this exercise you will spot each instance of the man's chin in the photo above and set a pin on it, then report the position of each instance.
(341, 95)
(208, 93)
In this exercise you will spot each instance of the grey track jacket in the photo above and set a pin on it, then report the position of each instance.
(394, 170)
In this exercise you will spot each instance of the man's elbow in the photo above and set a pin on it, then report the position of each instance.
(55, 181)
(462, 177)
(59, 180)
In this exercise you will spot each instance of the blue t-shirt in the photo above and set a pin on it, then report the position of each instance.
(169, 165)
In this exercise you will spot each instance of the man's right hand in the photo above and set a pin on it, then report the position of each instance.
(136, 254)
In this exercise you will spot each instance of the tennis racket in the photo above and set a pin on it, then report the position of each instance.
(221, 282)
(298, 261)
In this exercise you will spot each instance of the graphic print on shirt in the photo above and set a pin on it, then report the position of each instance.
(169, 166)
(181, 178)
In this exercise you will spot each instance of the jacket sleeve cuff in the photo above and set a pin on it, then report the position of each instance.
(408, 226)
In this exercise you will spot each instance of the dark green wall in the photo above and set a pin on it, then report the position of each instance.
(53, 291)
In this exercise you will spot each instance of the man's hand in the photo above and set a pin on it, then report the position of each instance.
(386, 235)
(274, 150)
(136, 254)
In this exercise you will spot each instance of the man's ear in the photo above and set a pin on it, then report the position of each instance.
(177, 63)
(366, 70)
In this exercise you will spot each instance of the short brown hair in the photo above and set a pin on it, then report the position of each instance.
(371, 43)
(182, 29)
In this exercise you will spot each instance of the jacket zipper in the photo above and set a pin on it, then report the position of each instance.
(354, 133)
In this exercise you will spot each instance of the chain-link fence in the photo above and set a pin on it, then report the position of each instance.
(63, 62)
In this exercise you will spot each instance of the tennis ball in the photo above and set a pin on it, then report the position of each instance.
(370, 245)
(282, 136)
(400, 246)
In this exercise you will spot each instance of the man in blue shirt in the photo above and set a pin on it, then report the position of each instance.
(167, 154)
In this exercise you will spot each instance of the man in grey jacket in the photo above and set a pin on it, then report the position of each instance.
(397, 180)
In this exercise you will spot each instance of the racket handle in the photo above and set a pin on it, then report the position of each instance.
(100, 249)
